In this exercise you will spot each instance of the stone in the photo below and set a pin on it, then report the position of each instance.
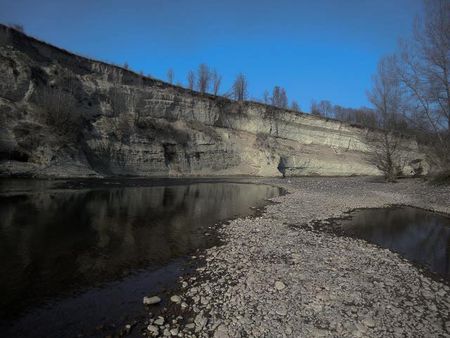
(447, 325)
(368, 322)
(153, 330)
(176, 299)
(159, 321)
(221, 332)
(279, 285)
(319, 333)
(200, 321)
(281, 311)
(190, 326)
(127, 328)
(151, 300)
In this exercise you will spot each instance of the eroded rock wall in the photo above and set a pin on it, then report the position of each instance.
(65, 115)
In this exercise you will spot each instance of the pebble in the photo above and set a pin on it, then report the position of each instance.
(176, 299)
(190, 326)
(368, 322)
(151, 300)
(279, 285)
(281, 311)
(159, 321)
(153, 329)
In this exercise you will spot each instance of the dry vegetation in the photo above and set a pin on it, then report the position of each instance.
(58, 110)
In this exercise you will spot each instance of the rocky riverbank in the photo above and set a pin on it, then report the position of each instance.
(275, 278)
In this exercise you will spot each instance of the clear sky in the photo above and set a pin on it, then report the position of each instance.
(316, 49)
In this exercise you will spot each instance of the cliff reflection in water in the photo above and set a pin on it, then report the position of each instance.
(56, 240)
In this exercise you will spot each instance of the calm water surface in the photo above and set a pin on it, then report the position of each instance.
(111, 242)
(418, 235)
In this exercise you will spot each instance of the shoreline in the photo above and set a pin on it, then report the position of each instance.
(115, 324)
(268, 279)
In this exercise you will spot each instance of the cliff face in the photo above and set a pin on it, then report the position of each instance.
(65, 115)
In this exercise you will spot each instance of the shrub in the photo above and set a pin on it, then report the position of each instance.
(59, 111)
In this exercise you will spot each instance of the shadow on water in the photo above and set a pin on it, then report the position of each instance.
(111, 243)
(418, 235)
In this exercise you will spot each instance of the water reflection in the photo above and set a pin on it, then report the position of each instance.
(418, 235)
(52, 241)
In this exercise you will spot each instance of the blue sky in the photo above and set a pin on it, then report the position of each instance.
(316, 49)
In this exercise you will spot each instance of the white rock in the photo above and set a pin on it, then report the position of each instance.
(153, 330)
(176, 299)
(368, 322)
(151, 300)
(279, 285)
(159, 321)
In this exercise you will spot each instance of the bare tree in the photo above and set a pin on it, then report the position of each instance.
(191, 80)
(314, 110)
(385, 149)
(204, 78)
(170, 75)
(322, 108)
(216, 80)
(362, 116)
(424, 72)
(295, 106)
(326, 108)
(386, 98)
(279, 97)
(240, 87)
(283, 99)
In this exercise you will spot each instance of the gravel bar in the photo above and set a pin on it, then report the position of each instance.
(273, 277)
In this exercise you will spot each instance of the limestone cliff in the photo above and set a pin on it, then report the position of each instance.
(65, 115)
